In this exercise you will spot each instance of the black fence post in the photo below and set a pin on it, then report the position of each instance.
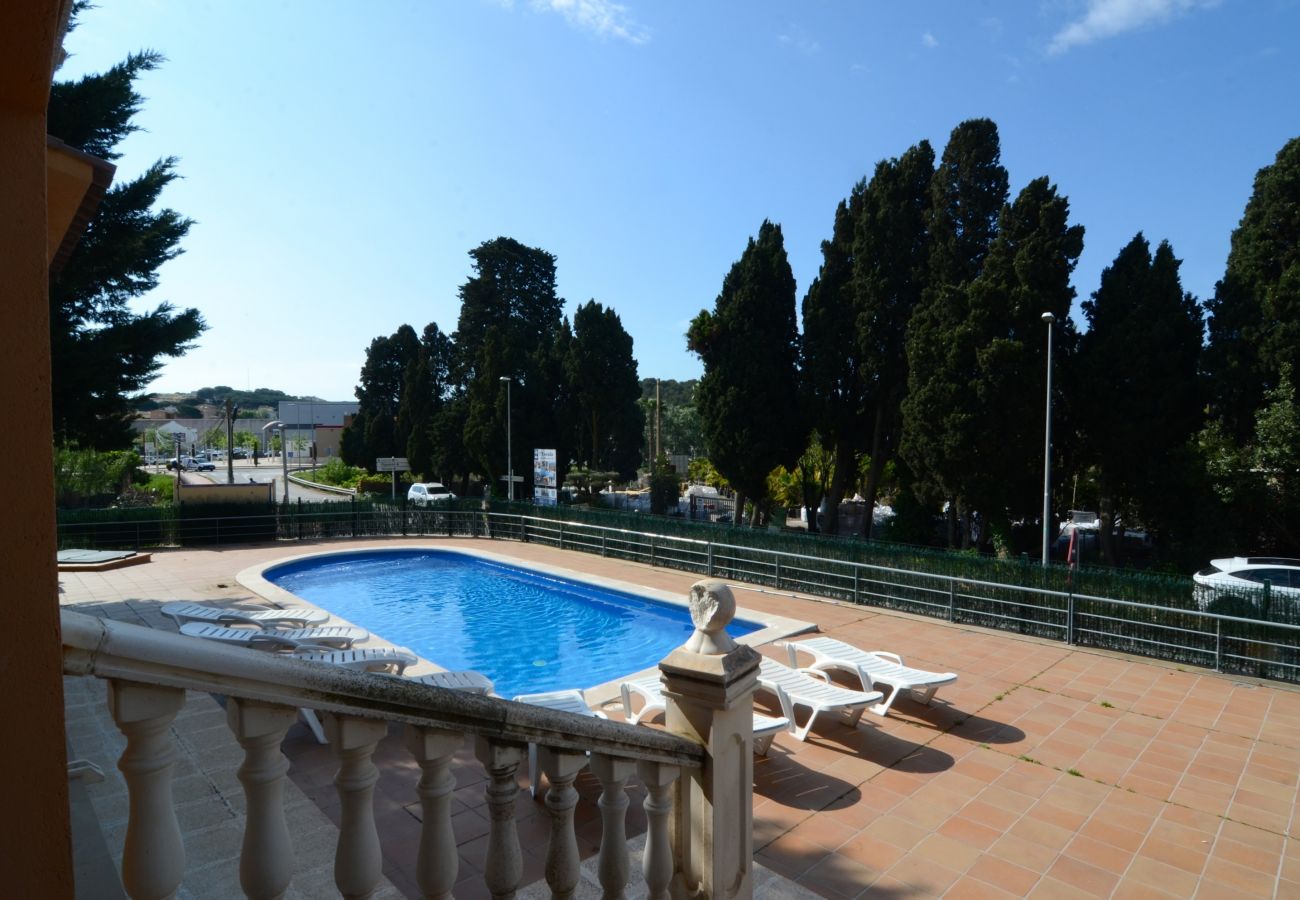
(354, 515)
(1218, 645)
(1069, 615)
(299, 517)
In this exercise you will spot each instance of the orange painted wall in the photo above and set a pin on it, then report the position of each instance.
(35, 846)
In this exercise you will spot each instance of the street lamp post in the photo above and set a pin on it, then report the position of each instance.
(284, 456)
(1047, 440)
(510, 460)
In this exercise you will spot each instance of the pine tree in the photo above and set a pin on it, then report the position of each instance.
(101, 350)
(748, 397)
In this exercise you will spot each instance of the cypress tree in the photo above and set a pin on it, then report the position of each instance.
(602, 379)
(830, 366)
(1026, 273)
(967, 193)
(748, 397)
(1254, 316)
(891, 250)
(1139, 400)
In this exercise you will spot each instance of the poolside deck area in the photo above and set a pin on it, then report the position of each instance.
(1044, 771)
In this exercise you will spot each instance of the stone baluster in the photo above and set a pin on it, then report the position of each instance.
(709, 685)
(153, 861)
(612, 869)
(505, 863)
(358, 862)
(657, 863)
(266, 862)
(437, 863)
(562, 861)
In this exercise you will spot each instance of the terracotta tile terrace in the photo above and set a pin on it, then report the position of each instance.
(1045, 771)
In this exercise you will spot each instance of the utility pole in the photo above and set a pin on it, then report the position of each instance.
(231, 412)
(659, 423)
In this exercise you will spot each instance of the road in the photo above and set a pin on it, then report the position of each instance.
(267, 471)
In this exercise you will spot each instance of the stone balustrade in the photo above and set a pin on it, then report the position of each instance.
(698, 780)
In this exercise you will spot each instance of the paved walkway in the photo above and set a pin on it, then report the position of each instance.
(1045, 771)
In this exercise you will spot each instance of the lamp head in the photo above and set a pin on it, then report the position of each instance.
(1049, 318)
(505, 378)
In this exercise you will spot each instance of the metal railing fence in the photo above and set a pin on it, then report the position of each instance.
(1250, 634)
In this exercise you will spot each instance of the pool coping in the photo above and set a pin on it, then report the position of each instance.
(773, 628)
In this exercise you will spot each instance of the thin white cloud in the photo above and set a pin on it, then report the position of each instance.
(603, 18)
(804, 45)
(1108, 18)
(929, 40)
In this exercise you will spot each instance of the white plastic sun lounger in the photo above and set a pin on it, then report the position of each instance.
(368, 659)
(650, 690)
(180, 613)
(573, 701)
(382, 660)
(467, 681)
(323, 637)
(872, 667)
(799, 687)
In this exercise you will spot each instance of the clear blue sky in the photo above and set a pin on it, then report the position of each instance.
(341, 159)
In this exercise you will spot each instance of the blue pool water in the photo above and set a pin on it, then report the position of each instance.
(526, 631)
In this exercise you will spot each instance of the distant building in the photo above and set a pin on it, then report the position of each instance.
(319, 422)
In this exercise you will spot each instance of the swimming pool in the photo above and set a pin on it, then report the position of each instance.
(528, 631)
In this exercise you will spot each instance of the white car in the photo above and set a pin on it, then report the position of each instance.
(1244, 575)
(424, 494)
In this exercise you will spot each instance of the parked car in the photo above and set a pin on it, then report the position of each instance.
(424, 494)
(239, 453)
(1242, 575)
(190, 464)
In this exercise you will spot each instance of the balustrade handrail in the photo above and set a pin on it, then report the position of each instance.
(119, 650)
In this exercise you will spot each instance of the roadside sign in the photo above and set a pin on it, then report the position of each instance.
(392, 464)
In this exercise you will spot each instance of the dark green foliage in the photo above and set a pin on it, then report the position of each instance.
(510, 326)
(678, 419)
(748, 398)
(1254, 316)
(967, 193)
(891, 247)
(966, 197)
(375, 432)
(101, 350)
(416, 413)
(831, 385)
(671, 392)
(1025, 274)
(665, 487)
(601, 374)
(97, 112)
(1138, 400)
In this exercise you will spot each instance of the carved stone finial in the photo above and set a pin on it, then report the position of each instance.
(712, 608)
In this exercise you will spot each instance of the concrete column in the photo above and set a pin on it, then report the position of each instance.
(709, 685)
(31, 667)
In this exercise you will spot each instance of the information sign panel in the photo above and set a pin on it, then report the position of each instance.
(545, 479)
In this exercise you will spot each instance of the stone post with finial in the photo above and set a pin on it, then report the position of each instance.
(709, 685)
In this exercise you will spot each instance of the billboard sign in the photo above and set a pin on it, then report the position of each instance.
(545, 477)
